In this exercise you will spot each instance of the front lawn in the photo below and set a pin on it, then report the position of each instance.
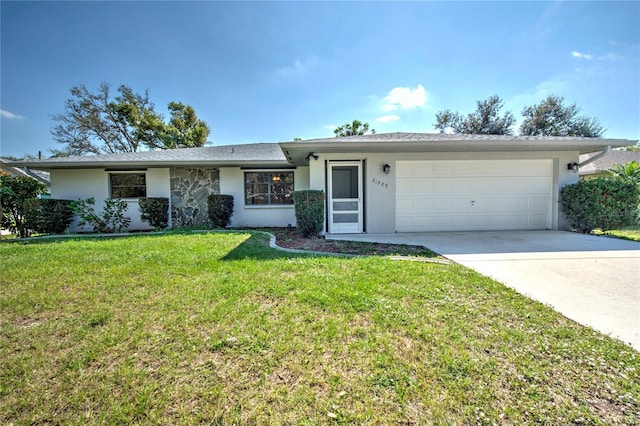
(217, 328)
(629, 233)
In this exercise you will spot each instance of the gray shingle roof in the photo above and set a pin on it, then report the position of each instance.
(25, 171)
(607, 161)
(443, 137)
(271, 154)
(297, 151)
(260, 153)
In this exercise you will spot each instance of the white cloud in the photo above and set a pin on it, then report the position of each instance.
(551, 86)
(298, 69)
(556, 85)
(588, 56)
(610, 57)
(405, 98)
(387, 118)
(10, 115)
(330, 126)
(580, 55)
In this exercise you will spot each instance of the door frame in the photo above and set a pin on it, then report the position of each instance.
(348, 228)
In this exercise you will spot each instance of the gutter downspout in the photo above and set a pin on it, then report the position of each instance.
(604, 152)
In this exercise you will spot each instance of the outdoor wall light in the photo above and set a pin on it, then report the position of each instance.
(386, 168)
(574, 167)
(311, 155)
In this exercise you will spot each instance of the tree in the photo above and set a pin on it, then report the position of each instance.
(552, 118)
(354, 128)
(14, 193)
(185, 129)
(94, 123)
(629, 172)
(484, 121)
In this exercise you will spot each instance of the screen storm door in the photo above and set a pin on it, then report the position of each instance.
(345, 197)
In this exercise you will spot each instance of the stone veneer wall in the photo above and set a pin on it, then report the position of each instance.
(190, 189)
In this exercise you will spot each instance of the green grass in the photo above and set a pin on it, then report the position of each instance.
(217, 328)
(628, 233)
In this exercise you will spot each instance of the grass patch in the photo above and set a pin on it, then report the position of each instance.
(218, 328)
(629, 233)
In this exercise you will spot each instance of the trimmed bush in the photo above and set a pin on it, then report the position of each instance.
(309, 205)
(112, 219)
(14, 192)
(155, 210)
(48, 216)
(220, 208)
(600, 203)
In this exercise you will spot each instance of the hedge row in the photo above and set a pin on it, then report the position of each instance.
(600, 203)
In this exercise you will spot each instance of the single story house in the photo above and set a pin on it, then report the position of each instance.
(380, 183)
(596, 164)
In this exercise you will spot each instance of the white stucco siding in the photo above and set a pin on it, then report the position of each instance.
(232, 183)
(380, 189)
(87, 183)
(158, 183)
(74, 184)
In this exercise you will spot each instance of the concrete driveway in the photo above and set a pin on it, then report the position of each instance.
(592, 280)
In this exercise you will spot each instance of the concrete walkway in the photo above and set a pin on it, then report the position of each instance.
(592, 280)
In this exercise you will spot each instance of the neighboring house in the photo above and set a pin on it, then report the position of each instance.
(381, 183)
(597, 165)
(23, 171)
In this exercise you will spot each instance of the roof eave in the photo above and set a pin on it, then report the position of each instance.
(53, 165)
(296, 151)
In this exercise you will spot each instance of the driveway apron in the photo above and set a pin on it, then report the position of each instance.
(593, 280)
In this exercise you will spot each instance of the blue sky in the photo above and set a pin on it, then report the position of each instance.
(272, 71)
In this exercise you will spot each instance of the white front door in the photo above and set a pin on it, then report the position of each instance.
(345, 197)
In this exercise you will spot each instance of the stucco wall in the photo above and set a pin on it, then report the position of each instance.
(85, 183)
(380, 189)
(232, 183)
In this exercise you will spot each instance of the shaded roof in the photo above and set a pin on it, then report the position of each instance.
(298, 151)
(600, 165)
(38, 175)
(260, 154)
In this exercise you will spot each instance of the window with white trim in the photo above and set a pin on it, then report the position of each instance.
(268, 188)
(128, 185)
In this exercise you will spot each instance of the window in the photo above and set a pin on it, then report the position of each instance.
(268, 188)
(128, 185)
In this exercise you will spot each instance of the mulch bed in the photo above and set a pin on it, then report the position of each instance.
(290, 238)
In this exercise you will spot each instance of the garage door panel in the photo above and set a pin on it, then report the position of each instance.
(540, 204)
(404, 205)
(411, 186)
(473, 195)
(539, 185)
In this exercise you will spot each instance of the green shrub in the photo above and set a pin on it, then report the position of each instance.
(112, 218)
(14, 192)
(600, 203)
(220, 209)
(155, 210)
(309, 205)
(47, 215)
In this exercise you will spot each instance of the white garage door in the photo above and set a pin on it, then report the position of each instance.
(473, 195)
